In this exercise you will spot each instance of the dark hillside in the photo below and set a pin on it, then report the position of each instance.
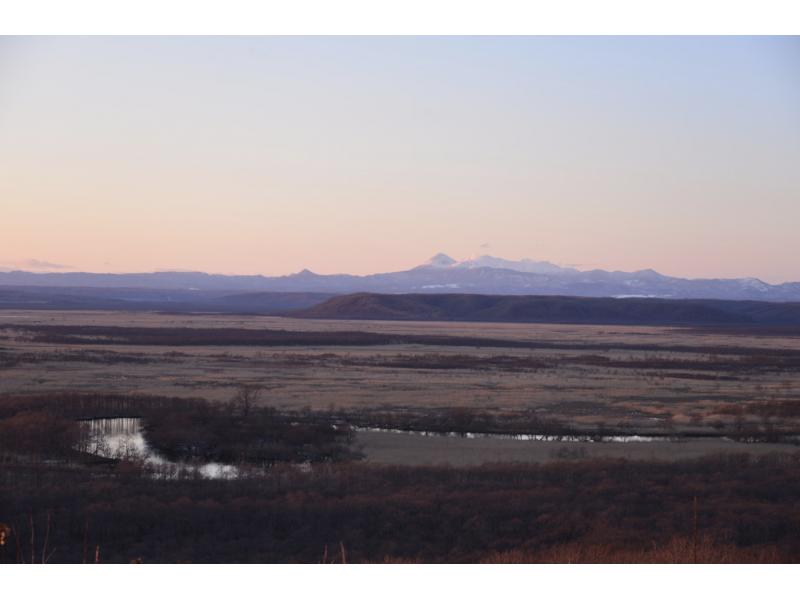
(143, 299)
(553, 309)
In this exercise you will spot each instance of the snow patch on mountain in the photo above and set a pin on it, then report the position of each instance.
(442, 260)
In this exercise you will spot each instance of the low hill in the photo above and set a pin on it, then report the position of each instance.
(139, 299)
(553, 309)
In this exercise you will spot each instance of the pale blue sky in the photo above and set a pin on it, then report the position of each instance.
(268, 155)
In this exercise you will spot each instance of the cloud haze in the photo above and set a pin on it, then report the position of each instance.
(33, 265)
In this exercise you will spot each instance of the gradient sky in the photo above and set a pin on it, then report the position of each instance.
(269, 155)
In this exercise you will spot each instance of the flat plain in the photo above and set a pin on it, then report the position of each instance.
(651, 380)
(482, 442)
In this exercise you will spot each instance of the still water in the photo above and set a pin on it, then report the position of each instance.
(538, 437)
(122, 438)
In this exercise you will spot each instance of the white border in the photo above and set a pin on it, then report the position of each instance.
(400, 581)
(350, 17)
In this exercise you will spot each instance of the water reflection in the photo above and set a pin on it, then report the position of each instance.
(122, 438)
(539, 437)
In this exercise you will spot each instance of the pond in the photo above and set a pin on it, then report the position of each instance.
(123, 438)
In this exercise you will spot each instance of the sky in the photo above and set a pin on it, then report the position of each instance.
(271, 155)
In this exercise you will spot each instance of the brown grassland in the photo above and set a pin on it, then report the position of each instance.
(717, 484)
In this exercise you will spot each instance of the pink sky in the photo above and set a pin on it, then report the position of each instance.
(364, 155)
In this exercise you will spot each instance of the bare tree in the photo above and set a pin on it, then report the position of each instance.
(246, 399)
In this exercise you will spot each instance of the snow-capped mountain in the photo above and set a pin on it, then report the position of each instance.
(441, 274)
(442, 260)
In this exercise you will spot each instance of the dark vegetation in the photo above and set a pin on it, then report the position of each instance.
(465, 420)
(57, 505)
(14, 358)
(38, 435)
(241, 431)
(190, 336)
(552, 309)
(722, 509)
(155, 299)
(776, 421)
(720, 367)
(787, 331)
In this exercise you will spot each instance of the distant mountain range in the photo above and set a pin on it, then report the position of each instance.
(441, 274)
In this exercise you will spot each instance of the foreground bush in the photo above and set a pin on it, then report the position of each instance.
(725, 509)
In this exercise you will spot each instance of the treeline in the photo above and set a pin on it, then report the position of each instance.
(189, 336)
(244, 431)
(744, 364)
(463, 420)
(15, 358)
(241, 430)
(776, 423)
(723, 509)
(77, 405)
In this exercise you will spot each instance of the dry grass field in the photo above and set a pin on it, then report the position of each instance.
(642, 379)
(587, 373)
(406, 449)
(511, 500)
